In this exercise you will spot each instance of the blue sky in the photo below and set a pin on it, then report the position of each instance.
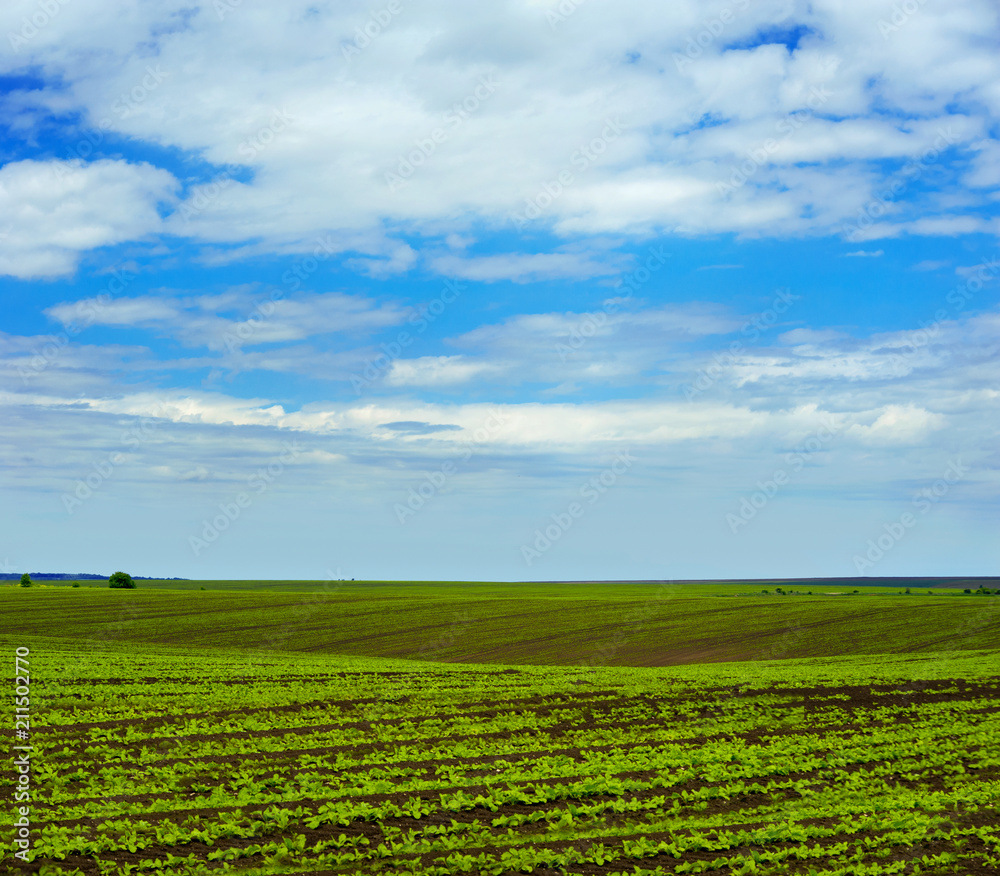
(539, 290)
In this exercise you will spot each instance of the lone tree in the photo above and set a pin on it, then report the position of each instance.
(121, 580)
(26, 580)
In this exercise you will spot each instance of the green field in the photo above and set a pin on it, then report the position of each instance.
(353, 728)
(612, 624)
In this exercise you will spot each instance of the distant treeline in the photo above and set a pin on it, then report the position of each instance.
(83, 576)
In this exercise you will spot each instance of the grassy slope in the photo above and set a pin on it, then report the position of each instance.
(641, 625)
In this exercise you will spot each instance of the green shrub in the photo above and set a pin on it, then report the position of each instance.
(121, 580)
(26, 580)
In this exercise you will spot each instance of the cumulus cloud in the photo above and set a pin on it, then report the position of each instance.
(899, 424)
(611, 120)
(58, 210)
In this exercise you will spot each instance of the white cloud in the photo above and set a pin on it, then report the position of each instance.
(944, 357)
(320, 132)
(400, 260)
(59, 210)
(985, 271)
(985, 172)
(617, 341)
(614, 320)
(897, 425)
(527, 426)
(950, 226)
(117, 312)
(520, 428)
(524, 268)
(930, 226)
(865, 253)
(435, 371)
(806, 336)
(242, 316)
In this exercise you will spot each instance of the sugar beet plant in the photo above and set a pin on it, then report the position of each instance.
(170, 765)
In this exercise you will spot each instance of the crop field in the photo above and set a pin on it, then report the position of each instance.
(630, 625)
(183, 764)
(162, 748)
